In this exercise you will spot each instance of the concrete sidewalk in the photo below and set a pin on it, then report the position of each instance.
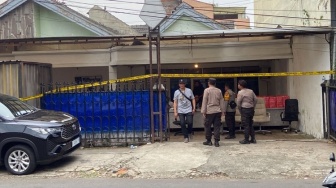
(300, 158)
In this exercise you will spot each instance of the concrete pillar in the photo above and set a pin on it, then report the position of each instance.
(113, 75)
(290, 79)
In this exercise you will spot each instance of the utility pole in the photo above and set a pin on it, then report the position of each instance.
(153, 14)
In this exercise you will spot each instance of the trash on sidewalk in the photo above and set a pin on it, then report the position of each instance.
(121, 172)
(133, 147)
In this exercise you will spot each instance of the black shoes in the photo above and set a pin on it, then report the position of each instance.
(253, 141)
(207, 143)
(244, 142)
(230, 137)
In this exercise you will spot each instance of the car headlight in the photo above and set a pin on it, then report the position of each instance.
(52, 130)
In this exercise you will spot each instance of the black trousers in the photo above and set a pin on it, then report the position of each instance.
(186, 119)
(247, 122)
(214, 119)
(231, 123)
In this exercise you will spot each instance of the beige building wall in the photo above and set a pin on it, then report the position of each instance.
(107, 19)
(291, 13)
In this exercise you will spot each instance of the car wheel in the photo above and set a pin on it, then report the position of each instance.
(20, 160)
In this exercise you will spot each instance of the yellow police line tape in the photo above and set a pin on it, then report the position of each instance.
(134, 78)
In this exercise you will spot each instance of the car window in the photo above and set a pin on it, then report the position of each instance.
(15, 108)
(5, 112)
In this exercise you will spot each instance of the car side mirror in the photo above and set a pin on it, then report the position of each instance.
(332, 157)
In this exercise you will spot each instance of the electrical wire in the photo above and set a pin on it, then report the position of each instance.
(266, 15)
(210, 20)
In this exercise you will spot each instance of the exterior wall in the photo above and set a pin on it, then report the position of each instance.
(186, 24)
(278, 85)
(242, 23)
(231, 10)
(236, 23)
(128, 71)
(19, 23)
(203, 8)
(50, 24)
(65, 58)
(205, 53)
(302, 13)
(107, 19)
(67, 75)
(311, 53)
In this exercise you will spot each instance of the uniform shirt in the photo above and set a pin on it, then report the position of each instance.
(246, 99)
(229, 96)
(184, 106)
(213, 101)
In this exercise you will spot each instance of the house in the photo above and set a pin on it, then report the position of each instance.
(234, 17)
(186, 19)
(48, 18)
(212, 49)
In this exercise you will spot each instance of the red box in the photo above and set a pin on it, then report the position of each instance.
(272, 102)
(267, 104)
(279, 102)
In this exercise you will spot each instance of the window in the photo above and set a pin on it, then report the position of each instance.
(14, 108)
(225, 16)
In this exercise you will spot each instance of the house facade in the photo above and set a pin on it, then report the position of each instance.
(47, 18)
(188, 41)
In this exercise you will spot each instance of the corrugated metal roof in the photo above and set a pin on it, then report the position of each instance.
(239, 32)
(184, 35)
(185, 9)
(9, 5)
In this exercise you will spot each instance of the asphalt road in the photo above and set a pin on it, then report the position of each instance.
(19, 182)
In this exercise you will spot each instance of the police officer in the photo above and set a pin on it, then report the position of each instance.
(246, 102)
(212, 110)
(229, 103)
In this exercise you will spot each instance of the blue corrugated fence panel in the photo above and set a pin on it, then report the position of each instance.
(121, 112)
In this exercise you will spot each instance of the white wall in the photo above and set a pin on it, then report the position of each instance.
(197, 53)
(311, 53)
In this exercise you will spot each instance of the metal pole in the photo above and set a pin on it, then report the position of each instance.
(328, 108)
(324, 113)
(151, 86)
(332, 52)
(332, 35)
(159, 81)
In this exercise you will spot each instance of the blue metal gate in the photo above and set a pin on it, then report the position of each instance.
(111, 117)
